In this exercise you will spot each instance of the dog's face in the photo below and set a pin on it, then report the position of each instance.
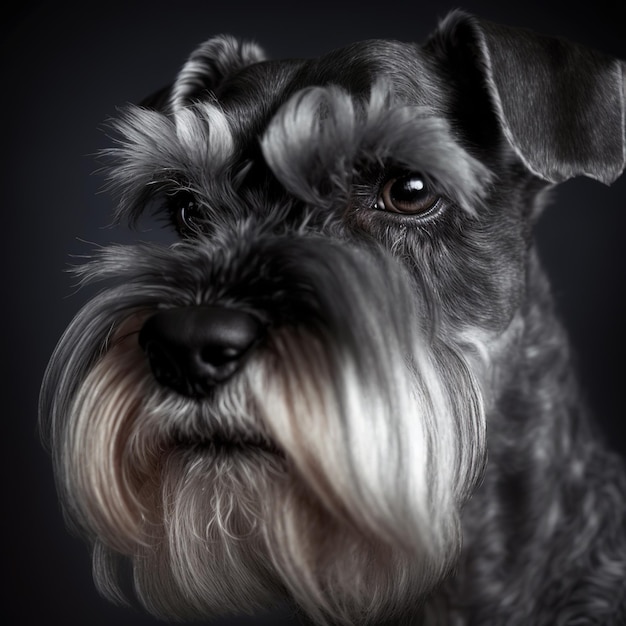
(291, 401)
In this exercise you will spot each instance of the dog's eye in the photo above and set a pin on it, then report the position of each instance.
(409, 194)
(186, 214)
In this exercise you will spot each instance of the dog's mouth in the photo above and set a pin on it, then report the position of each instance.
(231, 444)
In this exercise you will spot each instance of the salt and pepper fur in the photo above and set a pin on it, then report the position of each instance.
(408, 445)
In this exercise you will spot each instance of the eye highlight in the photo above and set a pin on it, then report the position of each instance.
(409, 194)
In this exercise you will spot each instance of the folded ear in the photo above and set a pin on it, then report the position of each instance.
(560, 105)
(207, 66)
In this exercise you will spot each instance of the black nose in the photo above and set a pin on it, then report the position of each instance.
(192, 349)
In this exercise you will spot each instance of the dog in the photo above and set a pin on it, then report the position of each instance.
(344, 387)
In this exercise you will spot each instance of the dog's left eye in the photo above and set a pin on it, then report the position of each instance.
(409, 194)
(186, 214)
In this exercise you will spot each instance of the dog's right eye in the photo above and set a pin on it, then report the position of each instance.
(185, 214)
(409, 194)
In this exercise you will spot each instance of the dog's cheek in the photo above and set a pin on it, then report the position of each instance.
(475, 284)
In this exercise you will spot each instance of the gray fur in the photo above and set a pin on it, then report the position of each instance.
(407, 443)
(556, 142)
(317, 141)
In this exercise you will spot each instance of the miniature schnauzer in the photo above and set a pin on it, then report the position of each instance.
(344, 387)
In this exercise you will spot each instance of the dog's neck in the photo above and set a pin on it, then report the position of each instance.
(541, 393)
(532, 491)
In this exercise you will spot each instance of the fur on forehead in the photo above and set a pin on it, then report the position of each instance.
(317, 144)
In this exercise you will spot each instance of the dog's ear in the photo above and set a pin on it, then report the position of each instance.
(560, 105)
(207, 66)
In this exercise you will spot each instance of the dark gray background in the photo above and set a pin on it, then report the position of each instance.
(65, 69)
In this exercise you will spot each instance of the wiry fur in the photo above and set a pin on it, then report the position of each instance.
(340, 467)
(302, 393)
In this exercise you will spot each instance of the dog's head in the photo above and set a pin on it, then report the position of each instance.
(291, 401)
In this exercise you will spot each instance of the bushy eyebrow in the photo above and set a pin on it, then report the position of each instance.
(314, 145)
(320, 136)
(154, 151)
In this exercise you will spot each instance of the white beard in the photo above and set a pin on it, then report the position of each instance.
(331, 473)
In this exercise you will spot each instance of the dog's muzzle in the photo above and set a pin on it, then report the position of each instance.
(192, 349)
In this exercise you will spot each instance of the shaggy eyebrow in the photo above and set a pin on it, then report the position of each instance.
(320, 134)
(154, 151)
